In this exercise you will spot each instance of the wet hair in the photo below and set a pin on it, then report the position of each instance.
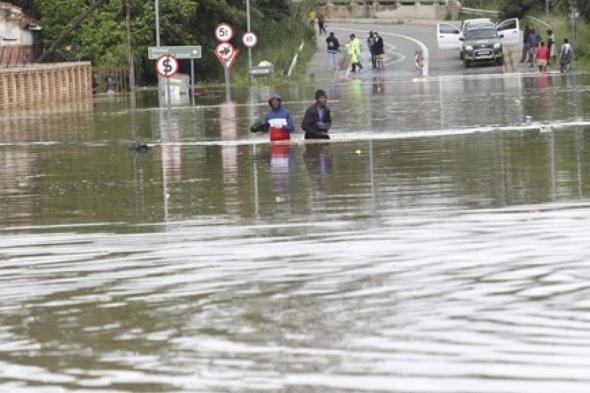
(352, 36)
(549, 31)
(566, 41)
(542, 43)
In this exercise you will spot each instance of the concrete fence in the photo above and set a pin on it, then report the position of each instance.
(35, 85)
(388, 9)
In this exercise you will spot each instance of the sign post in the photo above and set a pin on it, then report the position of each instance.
(180, 53)
(226, 54)
(167, 67)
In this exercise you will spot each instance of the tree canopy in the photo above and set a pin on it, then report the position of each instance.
(102, 37)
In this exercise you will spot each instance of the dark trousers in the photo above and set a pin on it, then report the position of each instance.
(359, 65)
(322, 28)
(373, 58)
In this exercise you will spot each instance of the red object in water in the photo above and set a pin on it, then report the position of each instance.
(281, 150)
(278, 134)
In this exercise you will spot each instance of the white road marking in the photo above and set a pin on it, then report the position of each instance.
(422, 45)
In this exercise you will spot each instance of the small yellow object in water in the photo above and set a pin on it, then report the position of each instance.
(358, 152)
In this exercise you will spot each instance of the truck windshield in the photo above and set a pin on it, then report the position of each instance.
(487, 34)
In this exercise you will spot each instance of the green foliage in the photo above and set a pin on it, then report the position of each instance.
(102, 39)
(517, 9)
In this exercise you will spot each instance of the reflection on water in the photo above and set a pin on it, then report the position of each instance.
(449, 263)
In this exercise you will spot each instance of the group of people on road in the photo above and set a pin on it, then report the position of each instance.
(540, 53)
(353, 52)
(279, 123)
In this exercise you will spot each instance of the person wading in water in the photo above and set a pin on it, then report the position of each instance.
(317, 120)
(278, 121)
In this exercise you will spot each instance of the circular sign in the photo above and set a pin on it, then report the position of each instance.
(250, 40)
(224, 32)
(225, 51)
(167, 65)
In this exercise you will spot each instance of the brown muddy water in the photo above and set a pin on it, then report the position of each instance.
(438, 244)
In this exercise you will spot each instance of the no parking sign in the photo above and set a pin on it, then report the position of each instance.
(167, 66)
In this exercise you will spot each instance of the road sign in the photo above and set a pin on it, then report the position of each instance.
(227, 54)
(180, 52)
(250, 40)
(167, 66)
(224, 32)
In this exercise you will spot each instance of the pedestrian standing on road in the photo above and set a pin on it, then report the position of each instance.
(278, 121)
(551, 43)
(419, 64)
(534, 40)
(317, 120)
(333, 51)
(566, 56)
(322, 23)
(379, 50)
(371, 45)
(354, 51)
(525, 44)
(543, 57)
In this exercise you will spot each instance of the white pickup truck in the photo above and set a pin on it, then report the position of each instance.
(449, 36)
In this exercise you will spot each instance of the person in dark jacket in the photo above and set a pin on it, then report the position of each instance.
(379, 50)
(333, 51)
(278, 121)
(317, 120)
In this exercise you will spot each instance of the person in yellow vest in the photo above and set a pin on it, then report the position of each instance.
(311, 17)
(354, 49)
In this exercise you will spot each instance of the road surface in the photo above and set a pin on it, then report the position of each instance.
(401, 42)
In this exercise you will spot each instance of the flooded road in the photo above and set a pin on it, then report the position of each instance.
(438, 243)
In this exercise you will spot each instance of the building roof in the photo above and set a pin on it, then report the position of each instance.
(16, 14)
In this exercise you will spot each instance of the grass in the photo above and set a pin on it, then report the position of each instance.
(280, 49)
(562, 29)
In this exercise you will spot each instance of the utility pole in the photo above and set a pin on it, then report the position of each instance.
(129, 50)
(249, 48)
(547, 7)
(158, 23)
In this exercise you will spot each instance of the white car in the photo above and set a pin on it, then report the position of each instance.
(449, 36)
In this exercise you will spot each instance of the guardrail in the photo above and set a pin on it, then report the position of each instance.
(477, 11)
(396, 3)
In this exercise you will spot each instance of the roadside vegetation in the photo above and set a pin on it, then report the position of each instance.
(101, 38)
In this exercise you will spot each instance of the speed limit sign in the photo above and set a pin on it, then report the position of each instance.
(250, 40)
(167, 66)
(224, 32)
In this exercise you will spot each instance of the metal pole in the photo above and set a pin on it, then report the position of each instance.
(227, 85)
(129, 51)
(547, 7)
(168, 92)
(249, 49)
(158, 23)
(192, 81)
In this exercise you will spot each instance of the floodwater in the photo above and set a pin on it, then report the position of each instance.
(438, 244)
